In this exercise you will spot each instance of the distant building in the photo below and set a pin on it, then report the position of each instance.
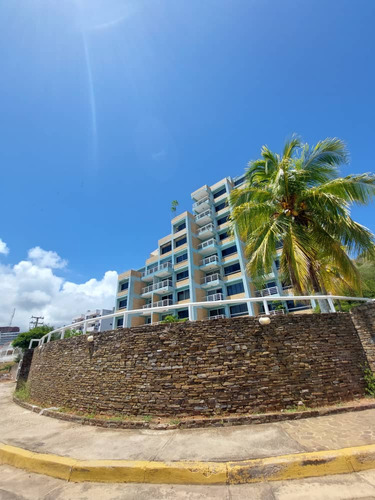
(94, 324)
(8, 353)
(8, 334)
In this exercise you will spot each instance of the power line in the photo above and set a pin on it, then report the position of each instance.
(34, 322)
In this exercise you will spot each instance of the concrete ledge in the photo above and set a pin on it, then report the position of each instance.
(294, 466)
(190, 423)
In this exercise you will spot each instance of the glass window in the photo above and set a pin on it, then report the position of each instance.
(181, 258)
(217, 312)
(236, 288)
(120, 321)
(148, 320)
(183, 314)
(229, 250)
(180, 241)
(239, 180)
(123, 303)
(220, 192)
(124, 286)
(180, 227)
(183, 295)
(277, 264)
(220, 206)
(167, 297)
(222, 220)
(239, 310)
(224, 235)
(182, 275)
(166, 248)
(234, 268)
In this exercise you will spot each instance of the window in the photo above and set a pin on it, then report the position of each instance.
(220, 192)
(224, 235)
(166, 248)
(239, 310)
(180, 227)
(277, 264)
(120, 322)
(223, 220)
(220, 206)
(123, 303)
(182, 275)
(239, 180)
(235, 289)
(180, 241)
(124, 286)
(183, 314)
(183, 295)
(181, 258)
(214, 292)
(216, 312)
(270, 284)
(148, 320)
(167, 297)
(229, 250)
(234, 268)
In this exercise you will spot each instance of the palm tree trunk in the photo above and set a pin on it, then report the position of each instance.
(318, 290)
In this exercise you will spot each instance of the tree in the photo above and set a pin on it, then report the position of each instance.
(298, 199)
(366, 270)
(174, 206)
(23, 339)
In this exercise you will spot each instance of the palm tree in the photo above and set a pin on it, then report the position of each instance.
(299, 199)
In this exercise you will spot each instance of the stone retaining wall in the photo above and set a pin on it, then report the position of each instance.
(227, 366)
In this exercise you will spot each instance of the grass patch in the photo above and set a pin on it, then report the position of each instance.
(23, 392)
(147, 418)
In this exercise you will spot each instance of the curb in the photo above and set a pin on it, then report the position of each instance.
(192, 423)
(279, 468)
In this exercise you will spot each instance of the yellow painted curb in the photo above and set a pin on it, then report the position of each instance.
(294, 466)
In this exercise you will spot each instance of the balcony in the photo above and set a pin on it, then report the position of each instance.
(201, 205)
(218, 316)
(207, 247)
(160, 303)
(159, 271)
(204, 218)
(212, 280)
(266, 292)
(163, 286)
(214, 297)
(211, 262)
(200, 193)
(206, 231)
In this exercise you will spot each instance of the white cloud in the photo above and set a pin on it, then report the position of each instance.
(3, 247)
(32, 287)
(46, 258)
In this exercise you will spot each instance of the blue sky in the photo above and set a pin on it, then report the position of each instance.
(112, 109)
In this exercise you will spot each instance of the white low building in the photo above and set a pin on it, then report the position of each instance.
(94, 323)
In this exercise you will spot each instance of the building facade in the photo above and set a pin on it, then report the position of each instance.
(94, 324)
(199, 261)
(8, 334)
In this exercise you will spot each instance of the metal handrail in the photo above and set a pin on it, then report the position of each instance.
(165, 265)
(192, 305)
(207, 243)
(156, 286)
(207, 227)
(212, 277)
(203, 214)
(215, 296)
(272, 290)
(217, 316)
(159, 303)
(199, 202)
(207, 260)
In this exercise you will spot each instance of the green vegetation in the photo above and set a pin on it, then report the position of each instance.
(147, 418)
(6, 367)
(174, 206)
(71, 333)
(369, 377)
(173, 319)
(299, 200)
(23, 392)
(23, 339)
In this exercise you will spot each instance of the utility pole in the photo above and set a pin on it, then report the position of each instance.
(34, 322)
(12, 316)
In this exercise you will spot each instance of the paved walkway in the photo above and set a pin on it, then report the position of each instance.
(22, 428)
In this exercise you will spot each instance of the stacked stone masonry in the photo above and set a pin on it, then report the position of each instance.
(225, 366)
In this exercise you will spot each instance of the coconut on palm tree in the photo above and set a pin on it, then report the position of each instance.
(298, 198)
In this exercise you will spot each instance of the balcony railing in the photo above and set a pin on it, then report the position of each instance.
(218, 316)
(160, 303)
(157, 286)
(207, 227)
(208, 260)
(167, 266)
(215, 296)
(206, 213)
(212, 277)
(201, 202)
(207, 243)
(272, 290)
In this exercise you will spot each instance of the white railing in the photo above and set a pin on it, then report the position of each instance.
(166, 265)
(215, 296)
(159, 303)
(209, 279)
(200, 202)
(217, 316)
(207, 227)
(272, 290)
(276, 312)
(207, 243)
(157, 286)
(192, 305)
(206, 213)
(208, 260)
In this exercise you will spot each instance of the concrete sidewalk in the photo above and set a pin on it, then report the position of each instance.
(22, 428)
